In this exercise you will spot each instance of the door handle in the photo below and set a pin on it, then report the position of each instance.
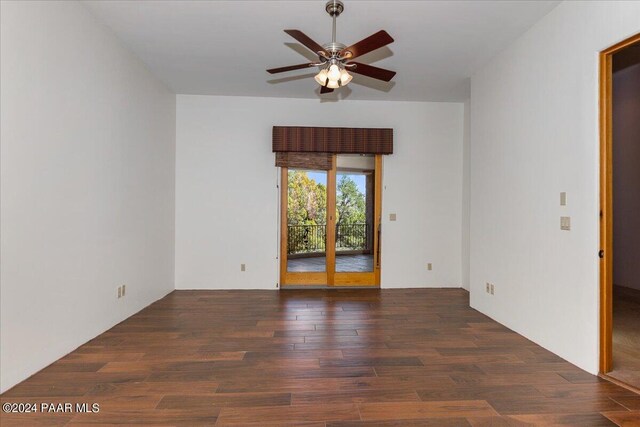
(601, 253)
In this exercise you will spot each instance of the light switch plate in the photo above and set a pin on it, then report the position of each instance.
(563, 199)
(429, 266)
(392, 217)
(565, 223)
(243, 267)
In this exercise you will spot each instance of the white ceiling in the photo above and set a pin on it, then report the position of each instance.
(224, 47)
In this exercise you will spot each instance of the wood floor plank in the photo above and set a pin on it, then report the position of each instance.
(512, 405)
(76, 357)
(624, 418)
(402, 357)
(371, 361)
(390, 352)
(580, 377)
(237, 385)
(36, 419)
(299, 413)
(293, 354)
(224, 399)
(201, 417)
(433, 422)
(496, 421)
(482, 379)
(425, 410)
(316, 333)
(582, 420)
(153, 388)
(192, 355)
(584, 390)
(354, 396)
(478, 392)
(631, 402)
(427, 370)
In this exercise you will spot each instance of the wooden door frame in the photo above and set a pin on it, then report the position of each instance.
(328, 277)
(606, 201)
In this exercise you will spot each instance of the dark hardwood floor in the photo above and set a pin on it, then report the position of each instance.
(626, 336)
(417, 357)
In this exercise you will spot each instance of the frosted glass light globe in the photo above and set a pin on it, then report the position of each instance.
(321, 77)
(345, 77)
(334, 72)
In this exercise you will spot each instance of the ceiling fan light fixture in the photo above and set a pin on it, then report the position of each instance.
(334, 59)
(321, 77)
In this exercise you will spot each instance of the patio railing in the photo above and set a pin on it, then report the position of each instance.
(310, 238)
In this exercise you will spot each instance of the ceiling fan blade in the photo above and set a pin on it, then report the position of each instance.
(305, 40)
(289, 68)
(371, 71)
(373, 42)
(324, 89)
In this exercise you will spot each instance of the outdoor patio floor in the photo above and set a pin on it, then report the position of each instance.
(344, 263)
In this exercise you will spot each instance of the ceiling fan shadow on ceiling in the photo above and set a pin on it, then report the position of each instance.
(335, 60)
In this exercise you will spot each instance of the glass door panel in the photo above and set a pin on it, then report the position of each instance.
(306, 221)
(354, 213)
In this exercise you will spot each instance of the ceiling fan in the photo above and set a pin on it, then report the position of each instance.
(335, 59)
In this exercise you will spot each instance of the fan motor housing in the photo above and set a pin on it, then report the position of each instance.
(334, 48)
(334, 7)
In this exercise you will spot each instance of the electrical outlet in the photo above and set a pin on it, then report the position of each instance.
(119, 291)
(429, 267)
(488, 287)
(243, 267)
(492, 289)
(124, 288)
(565, 223)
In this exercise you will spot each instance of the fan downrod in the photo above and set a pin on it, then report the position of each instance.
(334, 8)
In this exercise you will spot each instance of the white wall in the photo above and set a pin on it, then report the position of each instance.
(227, 201)
(88, 152)
(534, 134)
(626, 177)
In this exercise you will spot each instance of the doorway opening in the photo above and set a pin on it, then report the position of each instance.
(620, 204)
(330, 223)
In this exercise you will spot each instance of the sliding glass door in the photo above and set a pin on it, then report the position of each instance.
(330, 223)
(356, 221)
